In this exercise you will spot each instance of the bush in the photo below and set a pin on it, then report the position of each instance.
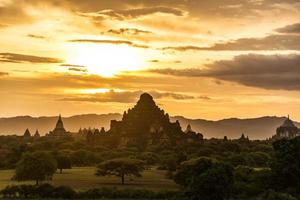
(272, 195)
(47, 191)
(63, 192)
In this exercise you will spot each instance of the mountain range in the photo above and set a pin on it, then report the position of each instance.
(254, 128)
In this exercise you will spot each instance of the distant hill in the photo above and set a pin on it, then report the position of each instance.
(255, 128)
(17, 125)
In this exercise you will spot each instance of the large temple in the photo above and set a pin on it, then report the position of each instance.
(146, 123)
(287, 130)
(59, 131)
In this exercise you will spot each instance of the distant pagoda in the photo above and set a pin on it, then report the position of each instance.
(37, 134)
(27, 134)
(287, 130)
(59, 130)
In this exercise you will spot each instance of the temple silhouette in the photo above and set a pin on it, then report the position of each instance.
(59, 131)
(287, 130)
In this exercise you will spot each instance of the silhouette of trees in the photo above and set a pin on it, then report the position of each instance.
(120, 167)
(35, 166)
(63, 162)
(286, 164)
(206, 179)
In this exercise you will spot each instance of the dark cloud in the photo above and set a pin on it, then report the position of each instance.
(272, 42)
(21, 58)
(36, 36)
(133, 12)
(74, 66)
(13, 13)
(3, 74)
(293, 28)
(77, 69)
(154, 61)
(127, 31)
(125, 96)
(264, 71)
(196, 8)
(159, 61)
(117, 42)
(119, 9)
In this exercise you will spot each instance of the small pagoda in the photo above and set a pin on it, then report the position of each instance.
(59, 131)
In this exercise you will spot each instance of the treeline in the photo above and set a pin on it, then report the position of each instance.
(47, 191)
(81, 153)
(216, 169)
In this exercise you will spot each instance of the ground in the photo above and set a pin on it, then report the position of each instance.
(82, 178)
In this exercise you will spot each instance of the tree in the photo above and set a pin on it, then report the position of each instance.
(36, 166)
(204, 178)
(286, 164)
(63, 162)
(120, 167)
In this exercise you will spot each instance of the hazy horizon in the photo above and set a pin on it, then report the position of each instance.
(78, 114)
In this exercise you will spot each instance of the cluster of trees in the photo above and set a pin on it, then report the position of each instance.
(47, 191)
(211, 179)
(40, 166)
(216, 169)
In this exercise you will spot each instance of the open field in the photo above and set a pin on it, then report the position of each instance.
(82, 178)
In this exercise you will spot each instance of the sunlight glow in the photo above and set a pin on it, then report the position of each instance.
(105, 59)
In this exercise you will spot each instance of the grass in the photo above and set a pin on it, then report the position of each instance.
(82, 178)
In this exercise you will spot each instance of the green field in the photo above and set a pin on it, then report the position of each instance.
(82, 178)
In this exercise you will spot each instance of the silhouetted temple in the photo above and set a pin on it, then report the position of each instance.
(37, 134)
(146, 123)
(27, 134)
(59, 130)
(287, 130)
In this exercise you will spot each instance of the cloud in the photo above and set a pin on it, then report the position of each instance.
(36, 36)
(154, 61)
(3, 74)
(74, 66)
(272, 42)
(127, 31)
(21, 58)
(159, 61)
(293, 28)
(77, 69)
(117, 42)
(125, 96)
(277, 72)
(13, 13)
(3, 26)
(134, 12)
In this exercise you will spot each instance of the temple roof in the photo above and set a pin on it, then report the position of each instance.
(288, 123)
(27, 133)
(59, 124)
(188, 129)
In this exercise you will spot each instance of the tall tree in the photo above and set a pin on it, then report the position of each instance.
(35, 166)
(63, 162)
(121, 167)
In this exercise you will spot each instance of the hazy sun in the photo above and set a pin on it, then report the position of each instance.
(105, 60)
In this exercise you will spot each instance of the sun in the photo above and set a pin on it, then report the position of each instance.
(105, 59)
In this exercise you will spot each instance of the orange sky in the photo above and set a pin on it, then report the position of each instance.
(201, 59)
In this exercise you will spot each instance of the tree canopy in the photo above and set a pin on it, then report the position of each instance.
(120, 167)
(63, 162)
(286, 164)
(205, 178)
(35, 166)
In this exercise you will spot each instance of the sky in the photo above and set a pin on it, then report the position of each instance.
(200, 59)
